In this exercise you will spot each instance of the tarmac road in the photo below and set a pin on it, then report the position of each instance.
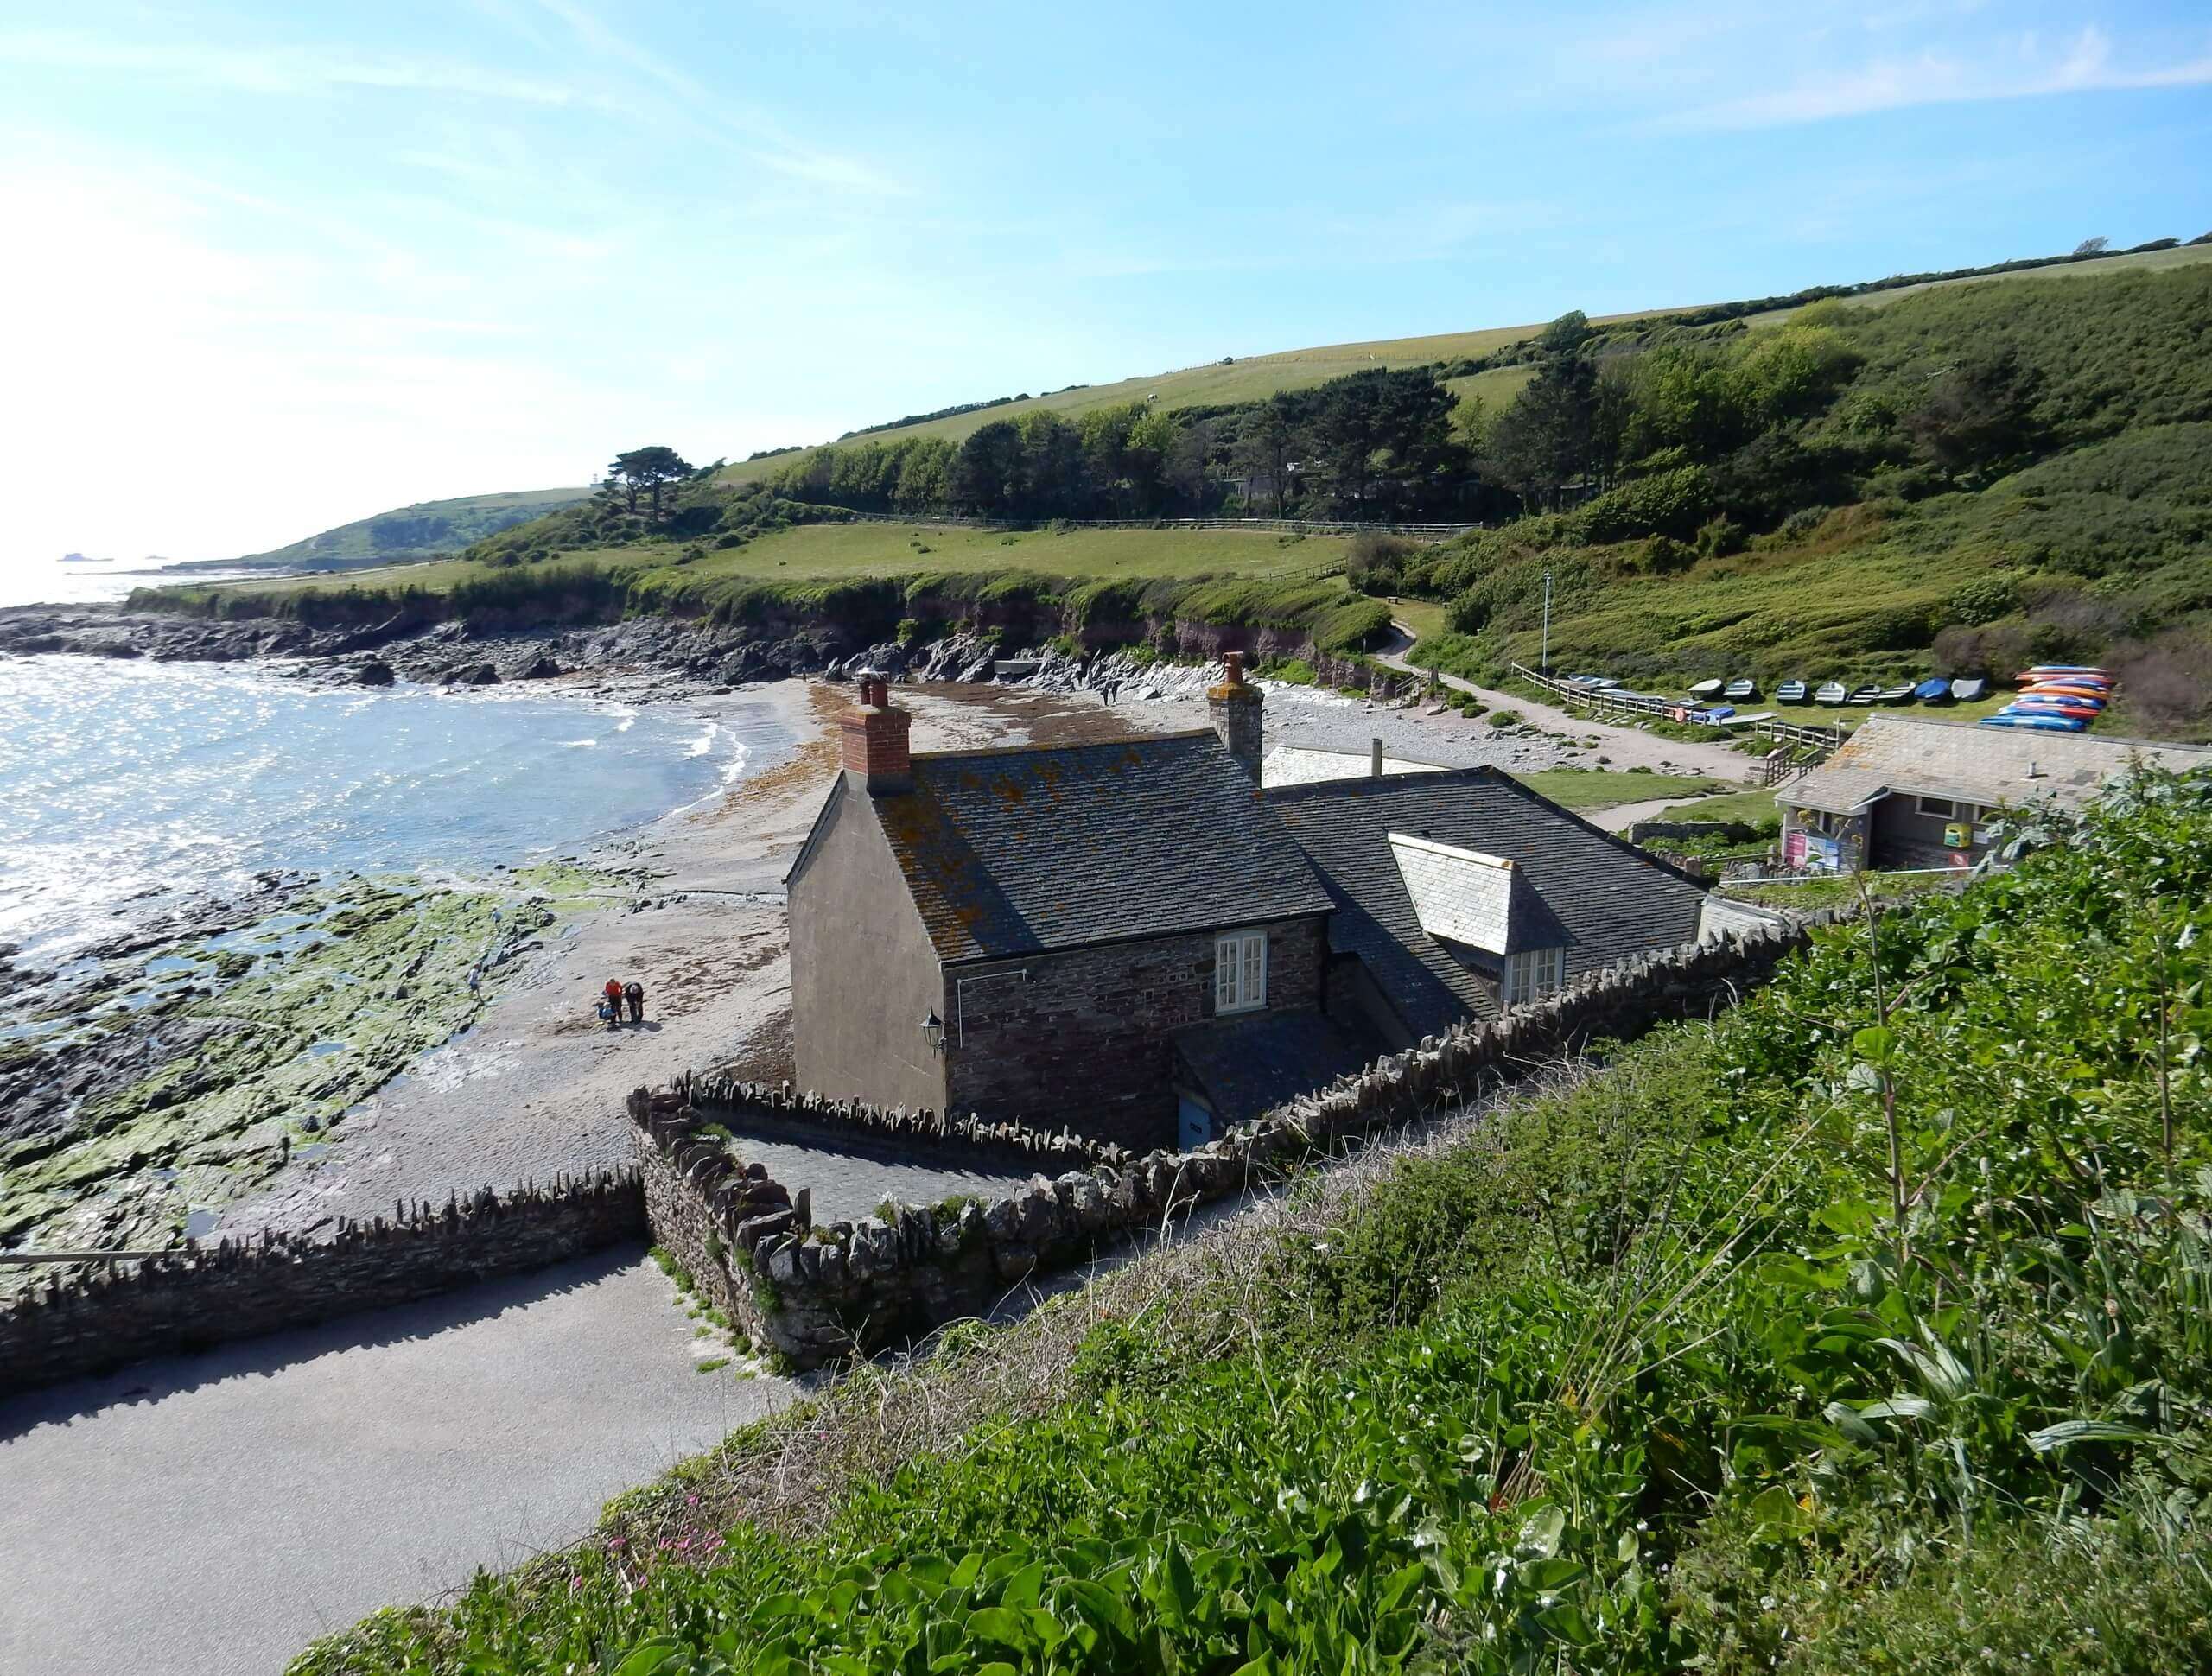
(210, 1515)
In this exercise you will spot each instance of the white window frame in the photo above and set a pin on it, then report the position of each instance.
(1532, 973)
(1945, 808)
(1239, 971)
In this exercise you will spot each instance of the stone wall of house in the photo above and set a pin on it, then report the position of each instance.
(90, 1323)
(1082, 1043)
(815, 1294)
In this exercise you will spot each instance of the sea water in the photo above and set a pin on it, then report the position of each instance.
(127, 784)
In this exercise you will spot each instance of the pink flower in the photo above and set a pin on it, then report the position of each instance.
(576, 1582)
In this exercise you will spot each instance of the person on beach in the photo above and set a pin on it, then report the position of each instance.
(634, 993)
(613, 1009)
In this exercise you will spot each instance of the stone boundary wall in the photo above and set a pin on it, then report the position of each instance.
(816, 1294)
(1730, 832)
(845, 1122)
(200, 1296)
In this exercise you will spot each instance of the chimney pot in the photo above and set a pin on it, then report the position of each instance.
(1375, 760)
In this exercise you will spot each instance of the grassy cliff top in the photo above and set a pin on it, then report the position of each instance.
(828, 552)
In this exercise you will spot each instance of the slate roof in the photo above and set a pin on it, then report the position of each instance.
(1612, 900)
(1019, 851)
(1985, 766)
(1251, 1063)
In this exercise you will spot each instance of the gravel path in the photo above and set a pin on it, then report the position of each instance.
(1628, 747)
(203, 1516)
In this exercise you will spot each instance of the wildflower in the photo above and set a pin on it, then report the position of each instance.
(575, 1582)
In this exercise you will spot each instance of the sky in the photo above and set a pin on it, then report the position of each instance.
(271, 268)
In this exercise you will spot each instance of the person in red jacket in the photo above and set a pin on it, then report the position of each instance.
(613, 997)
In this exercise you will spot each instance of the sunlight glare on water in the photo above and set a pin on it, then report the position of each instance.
(125, 780)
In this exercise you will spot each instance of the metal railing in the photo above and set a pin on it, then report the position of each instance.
(1644, 706)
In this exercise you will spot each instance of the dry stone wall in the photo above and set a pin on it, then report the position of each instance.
(774, 1111)
(817, 1293)
(204, 1295)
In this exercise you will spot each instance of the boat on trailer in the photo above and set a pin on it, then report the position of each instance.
(1832, 692)
(1790, 692)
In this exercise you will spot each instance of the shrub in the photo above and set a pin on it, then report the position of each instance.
(1802, 521)
(1984, 601)
(1376, 561)
(1719, 536)
(1663, 555)
(1998, 650)
(1665, 504)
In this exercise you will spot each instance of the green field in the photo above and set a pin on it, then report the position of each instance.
(1221, 384)
(2144, 261)
(1584, 789)
(829, 552)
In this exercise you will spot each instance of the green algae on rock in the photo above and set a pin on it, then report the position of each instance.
(192, 1076)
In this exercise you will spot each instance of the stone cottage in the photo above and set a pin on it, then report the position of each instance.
(1135, 939)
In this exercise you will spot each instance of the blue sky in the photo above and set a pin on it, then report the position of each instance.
(276, 267)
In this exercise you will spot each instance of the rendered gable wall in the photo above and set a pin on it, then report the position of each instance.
(863, 971)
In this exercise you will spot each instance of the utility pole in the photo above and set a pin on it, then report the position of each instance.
(1544, 658)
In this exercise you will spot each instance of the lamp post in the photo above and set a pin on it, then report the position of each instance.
(1544, 657)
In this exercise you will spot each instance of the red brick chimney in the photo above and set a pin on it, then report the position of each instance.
(875, 739)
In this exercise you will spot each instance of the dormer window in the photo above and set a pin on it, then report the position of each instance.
(1239, 971)
(1531, 973)
(1485, 903)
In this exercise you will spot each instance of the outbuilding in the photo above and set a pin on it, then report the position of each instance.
(1909, 791)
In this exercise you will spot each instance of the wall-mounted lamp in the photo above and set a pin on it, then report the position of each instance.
(933, 1029)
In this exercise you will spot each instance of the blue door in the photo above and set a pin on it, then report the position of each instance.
(1193, 1125)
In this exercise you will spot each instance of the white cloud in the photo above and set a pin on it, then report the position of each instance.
(1949, 76)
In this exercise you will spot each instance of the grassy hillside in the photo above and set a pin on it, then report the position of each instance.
(1254, 378)
(1834, 545)
(425, 530)
(1868, 1327)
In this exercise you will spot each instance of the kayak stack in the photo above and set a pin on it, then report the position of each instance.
(2057, 698)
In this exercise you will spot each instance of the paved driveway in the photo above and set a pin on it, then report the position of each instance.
(209, 1515)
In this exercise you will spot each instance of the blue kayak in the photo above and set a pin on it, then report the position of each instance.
(2038, 722)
